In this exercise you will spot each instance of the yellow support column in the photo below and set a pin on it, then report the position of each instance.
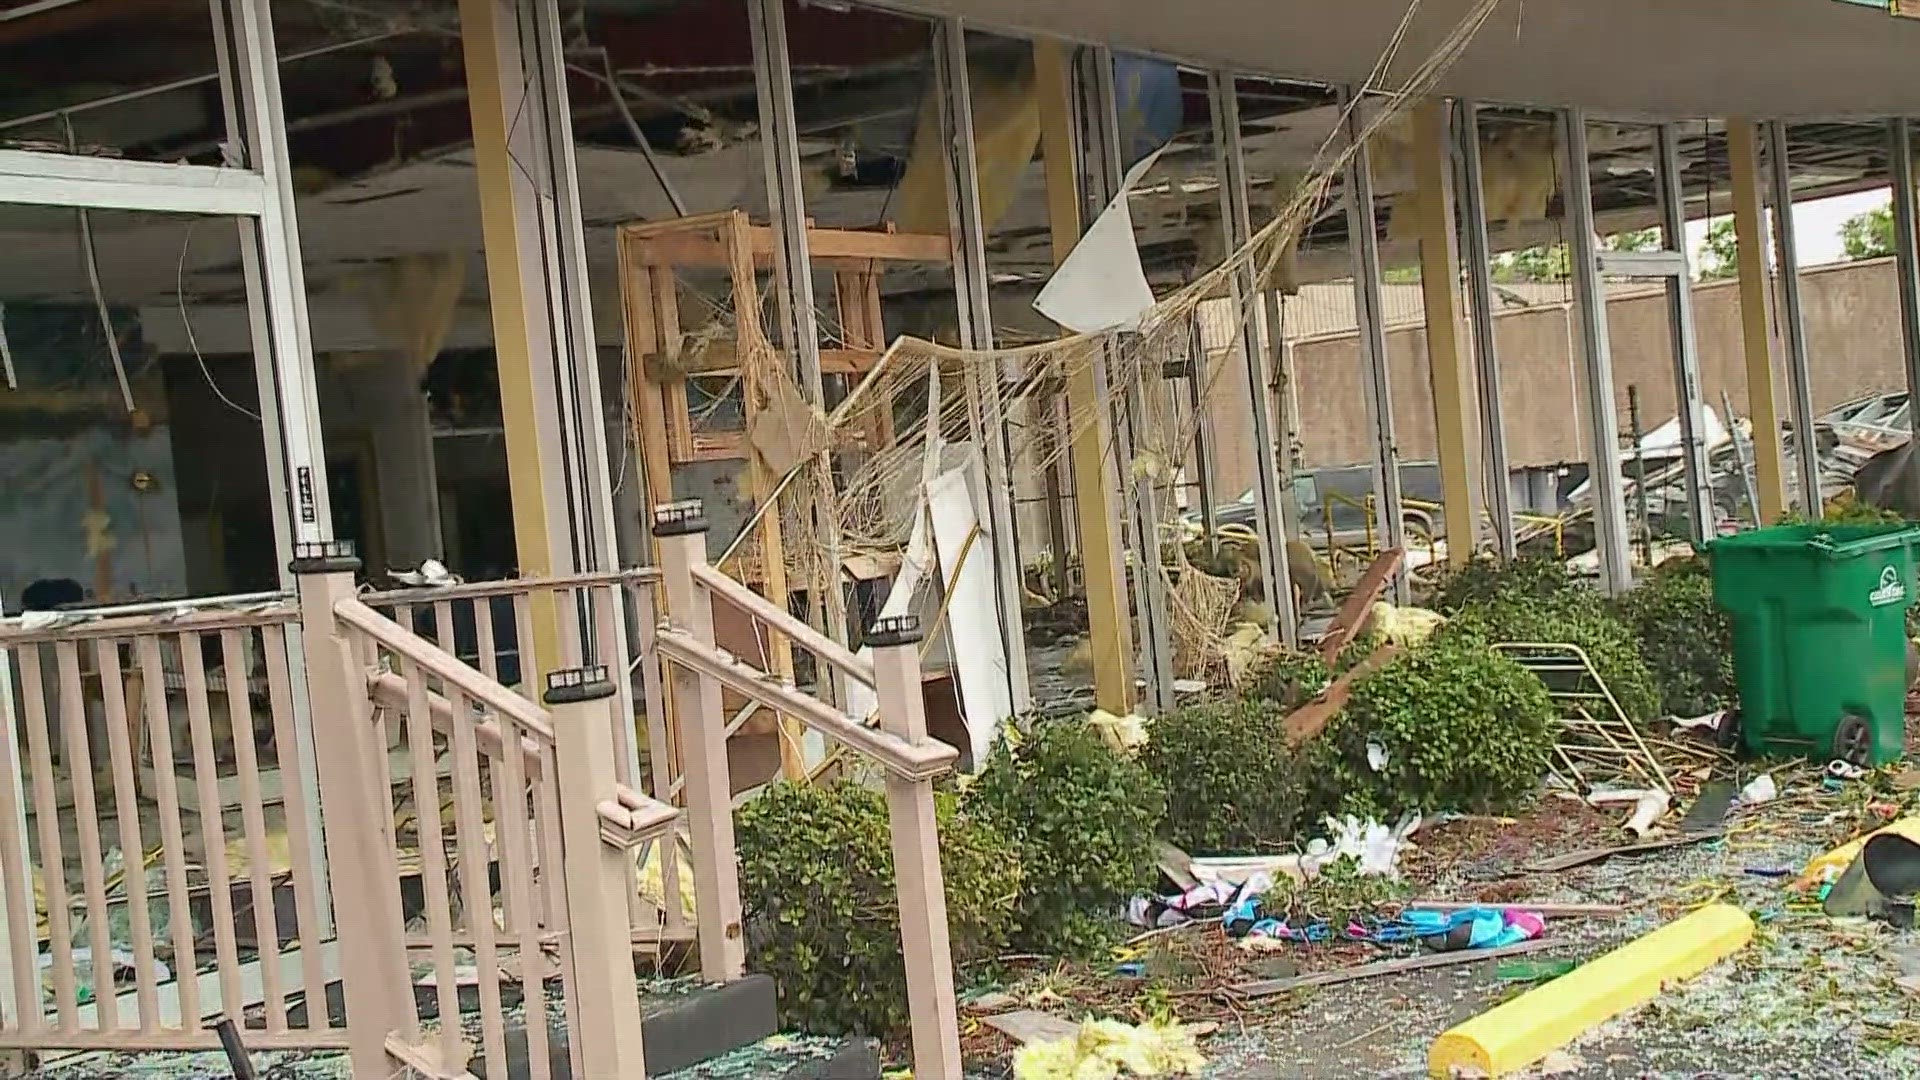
(1756, 321)
(1100, 558)
(1449, 361)
(517, 296)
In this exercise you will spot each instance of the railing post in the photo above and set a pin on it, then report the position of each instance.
(376, 983)
(680, 529)
(599, 877)
(916, 856)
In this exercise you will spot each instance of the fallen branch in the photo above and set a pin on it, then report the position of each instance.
(1548, 911)
(1270, 987)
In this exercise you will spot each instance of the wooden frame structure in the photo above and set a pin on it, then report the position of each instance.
(653, 256)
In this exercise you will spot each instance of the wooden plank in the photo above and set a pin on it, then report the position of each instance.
(46, 814)
(1545, 911)
(1269, 987)
(1311, 719)
(213, 833)
(1585, 856)
(253, 824)
(433, 856)
(513, 825)
(16, 875)
(126, 801)
(1353, 611)
(93, 878)
(1032, 1025)
(306, 906)
(475, 888)
(173, 842)
(836, 249)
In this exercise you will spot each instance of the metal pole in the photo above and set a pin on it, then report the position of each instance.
(1363, 240)
(1906, 248)
(1103, 158)
(1477, 253)
(1799, 381)
(952, 93)
(1686, 347)
(793, 273)
(1194, 374)
(1273, 487)
(284, 366)
(1603, 424)
(1637, 434)
(1743, 458)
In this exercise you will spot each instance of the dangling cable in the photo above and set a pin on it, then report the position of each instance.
(93, 280)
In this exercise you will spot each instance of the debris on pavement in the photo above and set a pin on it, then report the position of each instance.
(1109, 1048)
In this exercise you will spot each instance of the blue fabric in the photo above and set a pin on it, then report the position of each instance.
(1147, 96)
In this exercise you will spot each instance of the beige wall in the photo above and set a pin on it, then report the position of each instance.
(1853, 335)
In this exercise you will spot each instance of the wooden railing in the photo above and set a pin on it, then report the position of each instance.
(153, 799)
(521, 834)
(910, 759)
(492, 628)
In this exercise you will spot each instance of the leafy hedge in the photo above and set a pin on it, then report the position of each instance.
(1232, 786)
(1288, 679)
(1685, 639)
(817, 880)
(1486, 579)
(1084, 819)
(1463, 728)
(1575, 615)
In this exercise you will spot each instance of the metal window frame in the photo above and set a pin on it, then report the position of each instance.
(953, 95)
(1363, 244)
(1603, 425)
(1906, 247)
(793, 265)
(35, 178)
(1476, 253)
(1686, 345)
(1273, 487)
(1793, 322)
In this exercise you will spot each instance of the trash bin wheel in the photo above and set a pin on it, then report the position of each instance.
(1853, 742)
(1727, 735)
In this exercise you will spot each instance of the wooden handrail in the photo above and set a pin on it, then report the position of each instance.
(718, 584)
(449, 668)
(909, 761)
(390, 690)
(83, 627)
(488, 590)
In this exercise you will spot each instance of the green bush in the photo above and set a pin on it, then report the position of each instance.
(1486, 579)
(1578, 616)
(1287, 679)
(1232, 785)
(1084, 818)
(1464, 728)
(1685, 639)
(817, 880)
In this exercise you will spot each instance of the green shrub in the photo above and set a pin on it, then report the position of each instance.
(1685, 639)
(1084, 818)
(1486, 579)
(1578, 616)
(1287, 679)
(817, 880)
(1232, 785)
(1463, 727)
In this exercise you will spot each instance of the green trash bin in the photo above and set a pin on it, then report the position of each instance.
(1819, 636)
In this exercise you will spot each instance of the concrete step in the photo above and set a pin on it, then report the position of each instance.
(685, 1024)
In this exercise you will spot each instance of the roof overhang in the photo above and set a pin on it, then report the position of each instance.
(1628, 58)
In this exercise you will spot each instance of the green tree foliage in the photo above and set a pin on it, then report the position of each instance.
(1720, 252)
(1868, 235)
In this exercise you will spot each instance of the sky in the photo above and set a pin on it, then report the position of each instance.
(1816, 226)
